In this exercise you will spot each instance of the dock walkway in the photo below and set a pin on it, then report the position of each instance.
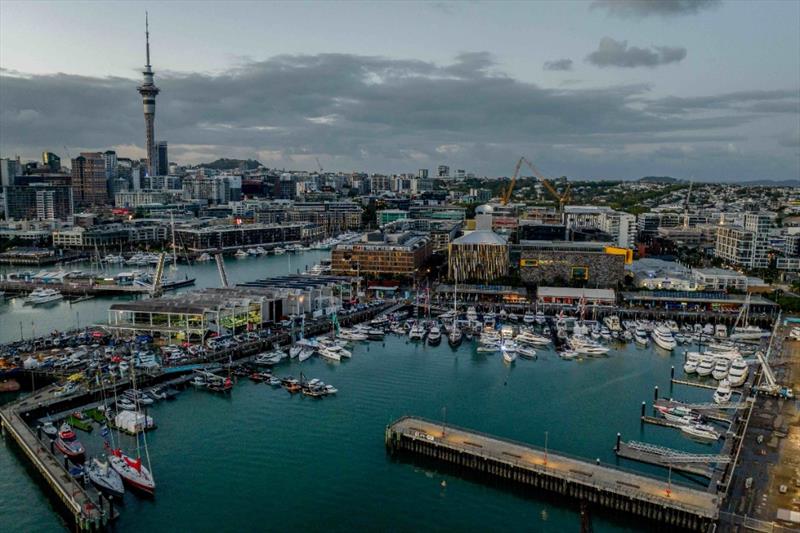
(635, 493)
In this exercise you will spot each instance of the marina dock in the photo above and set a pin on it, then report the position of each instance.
(84, 505)
(528, 465)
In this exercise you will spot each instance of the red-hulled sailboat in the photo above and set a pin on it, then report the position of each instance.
(132, 472)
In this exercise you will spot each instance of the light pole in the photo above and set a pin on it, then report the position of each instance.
(545, 447)
(444, 418)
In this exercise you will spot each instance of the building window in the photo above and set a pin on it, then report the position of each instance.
(580, 273)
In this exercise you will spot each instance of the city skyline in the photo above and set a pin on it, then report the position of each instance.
(637, 92)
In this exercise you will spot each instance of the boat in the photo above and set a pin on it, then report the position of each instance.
(105, 478)
(540, 318)
(678, 414)
(509, 352)
(640, 337)
(203, 258)
(488, 348)
(291, 384)
(337, 349)
(723, 392)
(692, 360)
(528, 337)
(738, 371)
(472, 315)
(269, 358)
(706, 366)
(528, 318)
(43, 296)
(197, 381)
(568, 355)
(612, 323)
(434, 336)
(50, 429)
(720, 331)
(701, 431)
(663, 338)
(416, 333)
(350, 335)
(241, 254)
(67, 443)
(585, 346)
(455, 337)
(489, 319)
(132, 472)
(279, 251)
(330, 389)
(528, 353)
(112, 259)
(720, 370)
(330, 354)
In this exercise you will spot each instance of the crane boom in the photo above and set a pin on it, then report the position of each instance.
(507, 193)
(561, 198)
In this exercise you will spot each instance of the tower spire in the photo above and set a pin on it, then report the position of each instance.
(147, 36)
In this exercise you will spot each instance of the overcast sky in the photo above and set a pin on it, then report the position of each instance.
(701, 89)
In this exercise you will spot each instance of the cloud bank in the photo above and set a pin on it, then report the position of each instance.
(611, 53)
(373, 113)
(647, 8)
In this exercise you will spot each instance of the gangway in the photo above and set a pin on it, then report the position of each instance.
(771, 387)
(158, 277)
(223, 275)
(676, 456)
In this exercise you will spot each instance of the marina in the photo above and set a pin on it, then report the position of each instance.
(250, 362)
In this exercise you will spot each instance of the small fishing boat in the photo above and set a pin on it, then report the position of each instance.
(67, 443)
(105, 478)
(50, 429)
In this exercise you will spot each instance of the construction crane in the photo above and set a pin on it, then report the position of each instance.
(771, 387)
(562, 198)
(321, 170)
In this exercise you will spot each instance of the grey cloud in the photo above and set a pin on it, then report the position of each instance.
(558, 64)
(775, 101)
(365, 112)
(646, 8)
(611, 53)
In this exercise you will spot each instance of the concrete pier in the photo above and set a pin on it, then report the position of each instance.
(585, 480)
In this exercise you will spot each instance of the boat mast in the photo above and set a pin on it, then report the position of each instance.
(174, 266)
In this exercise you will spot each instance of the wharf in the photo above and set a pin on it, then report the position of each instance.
(634, 493)
(84, 505)
(88, 289)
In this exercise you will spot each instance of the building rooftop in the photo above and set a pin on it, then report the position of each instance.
(481, 237)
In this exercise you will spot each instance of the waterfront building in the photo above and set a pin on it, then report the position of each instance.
(721, 279)
(386, 216)
(700, 302)
(381, 254)
(480, 255)
(558, 298)
(89, 184)
(593, 264)
(38, 201)
(657, 274)
(229, 237)
(111, 235)
(746, 245)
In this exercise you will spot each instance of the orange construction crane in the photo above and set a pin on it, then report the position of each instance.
(562, 198)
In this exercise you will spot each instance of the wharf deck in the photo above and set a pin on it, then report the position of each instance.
(517, 462)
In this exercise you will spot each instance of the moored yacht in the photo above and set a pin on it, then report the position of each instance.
(241, 254)
(737, 374)
(455, 337)
(43, 296)
(105, 478)
(132, 472)
(416, 333)
(434, 335)
(720, 368)
(723, 392)
(701, 431)
(662, 336)
(68, 444)
(692, 360)
(706, 366)
(528, 318)
(640, 337)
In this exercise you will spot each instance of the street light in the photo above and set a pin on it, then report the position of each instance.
(545, 447)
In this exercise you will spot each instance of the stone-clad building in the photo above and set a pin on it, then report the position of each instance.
(587, 264)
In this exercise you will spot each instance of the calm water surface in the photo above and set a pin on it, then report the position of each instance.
(263, 459)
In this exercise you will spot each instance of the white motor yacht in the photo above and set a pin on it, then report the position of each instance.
(662, 336)
(540, 318)
(241, 254)
(528, 353)
(720, 371)
(640, 337)
(706, 366)
(612, 323)
(692, 360)
(528, 337)
(509, 353)
(416, 333)
(528, 318)
(723, 392)
(720, 331)
(701, 431)
(472, 315)
(737, 373)
(43, 296)
(329, 353)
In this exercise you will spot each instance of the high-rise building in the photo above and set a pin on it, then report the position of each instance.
(149, 91)
(422, 173)
(89, 183)
(162, 159)
(443, 171)
(38, 201)
(9, 169)
(51, 161)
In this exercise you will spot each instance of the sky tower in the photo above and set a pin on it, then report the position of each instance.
(148, 90)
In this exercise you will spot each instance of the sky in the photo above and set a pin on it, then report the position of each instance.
(602, 89)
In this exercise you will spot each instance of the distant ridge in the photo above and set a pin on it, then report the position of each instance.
(658, 179)
(232, 164)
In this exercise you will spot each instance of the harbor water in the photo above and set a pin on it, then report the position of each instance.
(264, 459)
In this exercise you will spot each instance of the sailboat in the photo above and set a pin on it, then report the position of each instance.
(105, 478)
(132, 471)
